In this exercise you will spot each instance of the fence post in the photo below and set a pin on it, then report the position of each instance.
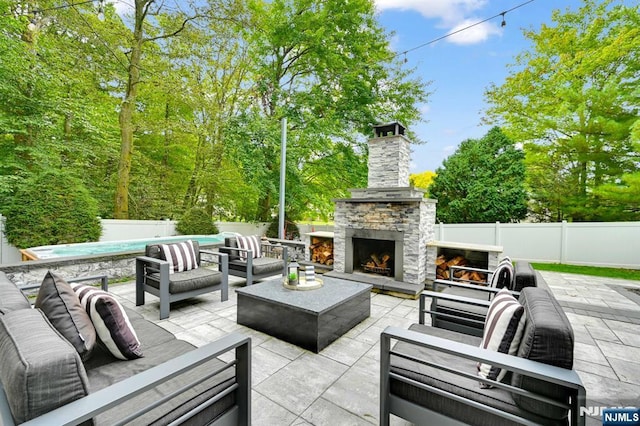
(497, 237)
(563, 242)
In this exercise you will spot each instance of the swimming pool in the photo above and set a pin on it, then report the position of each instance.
(112, 247)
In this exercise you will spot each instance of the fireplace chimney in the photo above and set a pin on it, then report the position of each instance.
(389, 156)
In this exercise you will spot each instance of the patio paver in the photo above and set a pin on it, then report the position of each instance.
(292, 386)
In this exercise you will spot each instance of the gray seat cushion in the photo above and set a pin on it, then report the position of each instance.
(159, 346)
(194, 279)
(548, 338)
(11, 298)
(464, 387)
(39, 369)
(261, 266)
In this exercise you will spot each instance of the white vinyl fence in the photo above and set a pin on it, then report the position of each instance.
(615, 244)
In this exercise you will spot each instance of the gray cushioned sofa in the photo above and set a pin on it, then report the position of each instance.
(43, 381)
(429, 375)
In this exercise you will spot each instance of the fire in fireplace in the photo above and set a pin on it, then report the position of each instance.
(373, 256)
(375, 252)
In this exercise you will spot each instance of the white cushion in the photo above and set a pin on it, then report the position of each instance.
(181, 256)
(252, 243)
(503, 330)
(110, 321)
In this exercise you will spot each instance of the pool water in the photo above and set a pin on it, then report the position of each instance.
(111, 247)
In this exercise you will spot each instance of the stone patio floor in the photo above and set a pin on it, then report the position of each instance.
(339, 386)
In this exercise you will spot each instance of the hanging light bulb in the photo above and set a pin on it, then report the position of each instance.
(101, 10)
(504, 23)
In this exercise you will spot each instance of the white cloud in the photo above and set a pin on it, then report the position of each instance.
(476, 34)
(447, 10)
(452, 15)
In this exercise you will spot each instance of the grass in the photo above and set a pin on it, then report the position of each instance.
(625, 274)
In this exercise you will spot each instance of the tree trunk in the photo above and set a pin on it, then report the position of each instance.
(126, 119)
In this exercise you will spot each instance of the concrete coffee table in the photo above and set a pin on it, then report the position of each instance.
(311, 319)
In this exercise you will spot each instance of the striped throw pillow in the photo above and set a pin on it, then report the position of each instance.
(252, 243)
(181, 256)
(503, 329)
(110, 321)
(504, 275)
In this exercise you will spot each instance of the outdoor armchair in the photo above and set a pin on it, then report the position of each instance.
(260, 260)
(154, 275)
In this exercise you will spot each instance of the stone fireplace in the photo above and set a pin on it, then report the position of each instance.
(381, 232)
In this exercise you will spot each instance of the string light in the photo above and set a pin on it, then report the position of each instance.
(501, 14)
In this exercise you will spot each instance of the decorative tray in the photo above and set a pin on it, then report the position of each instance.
(302, 284)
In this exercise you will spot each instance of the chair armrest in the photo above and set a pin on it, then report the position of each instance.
(484, 289)
(216, 257)
(526, 367)
(435, 297)
(93, 404)
(151, 261)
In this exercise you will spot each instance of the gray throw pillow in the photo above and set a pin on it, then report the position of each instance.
(39, 369)
(62, 307)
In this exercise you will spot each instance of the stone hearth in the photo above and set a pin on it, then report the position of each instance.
(390, 211)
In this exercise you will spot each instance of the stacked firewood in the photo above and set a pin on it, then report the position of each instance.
(322, 252)
(378, 263)
(442, 269)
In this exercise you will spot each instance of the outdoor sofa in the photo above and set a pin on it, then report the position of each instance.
(429, 375)
(44, 381)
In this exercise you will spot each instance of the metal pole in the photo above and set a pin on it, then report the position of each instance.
(283, 166)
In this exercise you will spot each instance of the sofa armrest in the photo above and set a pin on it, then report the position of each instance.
(104, 282)
(93, 404)
(548, 373)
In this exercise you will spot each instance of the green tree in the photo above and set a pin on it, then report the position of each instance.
(483, 181)
(327, 67)
(422, 180)
(573, 99)
(51, 208)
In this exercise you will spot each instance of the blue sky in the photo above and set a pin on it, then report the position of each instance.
(460, 67)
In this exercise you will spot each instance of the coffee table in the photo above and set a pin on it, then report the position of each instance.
(310, 319)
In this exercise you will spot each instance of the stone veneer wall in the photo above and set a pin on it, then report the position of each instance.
(389, 159)
(414, 218)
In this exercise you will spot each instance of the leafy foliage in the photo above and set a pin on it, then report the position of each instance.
(422, 180)
(291, 231)
(51, 208)
(483, 181)
(199, 91)
(572, 99)
(196, 221)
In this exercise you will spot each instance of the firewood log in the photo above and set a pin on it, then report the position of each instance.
(376, 259)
